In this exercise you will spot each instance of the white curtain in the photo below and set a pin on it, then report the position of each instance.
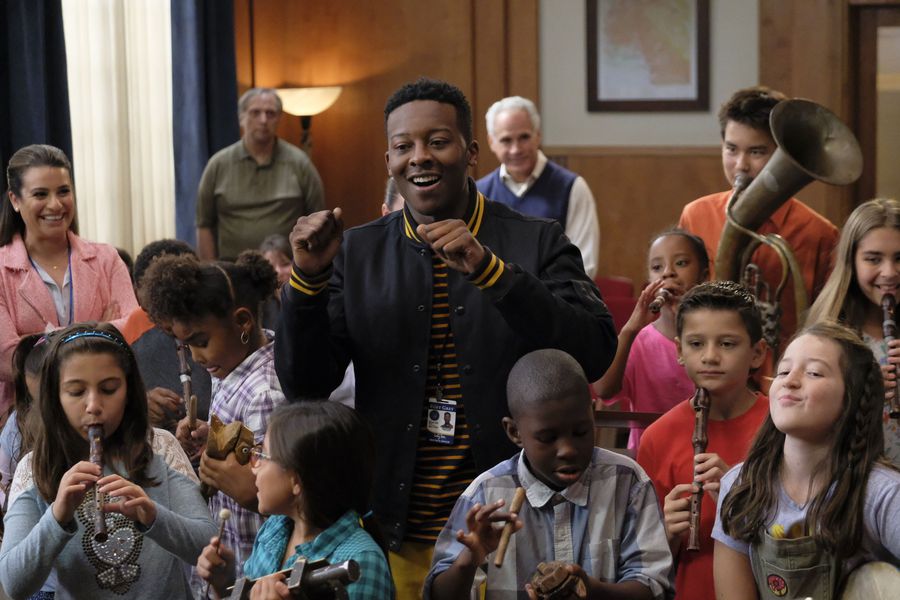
(119, 55)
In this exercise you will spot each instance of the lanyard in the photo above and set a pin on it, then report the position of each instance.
(438, 355)
(71, 282)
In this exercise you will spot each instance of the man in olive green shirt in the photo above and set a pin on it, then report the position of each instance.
(257, 186)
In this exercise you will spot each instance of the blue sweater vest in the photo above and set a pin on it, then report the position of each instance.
(548, 197)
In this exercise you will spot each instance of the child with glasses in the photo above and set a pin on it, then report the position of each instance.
(319, 509)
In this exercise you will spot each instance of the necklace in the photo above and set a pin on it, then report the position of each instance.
(71, 282)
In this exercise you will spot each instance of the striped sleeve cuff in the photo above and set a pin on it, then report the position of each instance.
(488, 272)
(309, 286)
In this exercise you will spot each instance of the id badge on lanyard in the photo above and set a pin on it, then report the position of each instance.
(441, 423)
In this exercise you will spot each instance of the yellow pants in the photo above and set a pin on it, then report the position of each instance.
(409, 567)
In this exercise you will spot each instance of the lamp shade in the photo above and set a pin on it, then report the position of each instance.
(308, 101)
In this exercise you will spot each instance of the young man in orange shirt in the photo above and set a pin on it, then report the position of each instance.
(747, 146)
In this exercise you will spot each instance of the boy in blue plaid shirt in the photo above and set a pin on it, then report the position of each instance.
(314, 477)
(587, 507)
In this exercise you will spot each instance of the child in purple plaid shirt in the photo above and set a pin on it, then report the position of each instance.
(214, 308)
(314, 476)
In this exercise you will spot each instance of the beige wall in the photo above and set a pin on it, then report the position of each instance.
(734, 38)
(888, 120)
(888, 182)
(642, 167)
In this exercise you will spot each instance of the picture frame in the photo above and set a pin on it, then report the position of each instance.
(647, 55)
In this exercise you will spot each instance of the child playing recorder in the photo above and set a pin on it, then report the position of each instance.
(866, 269)
(584, 506)
(815, 498)
(645, 374)
(719, 340)
(155, 519)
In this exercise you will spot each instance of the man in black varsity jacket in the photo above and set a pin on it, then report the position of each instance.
(433, 304)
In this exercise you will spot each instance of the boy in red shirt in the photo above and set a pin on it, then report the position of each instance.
(719, 341)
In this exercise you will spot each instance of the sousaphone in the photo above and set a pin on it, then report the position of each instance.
(812, 144)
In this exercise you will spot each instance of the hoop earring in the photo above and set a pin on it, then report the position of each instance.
(245, 337)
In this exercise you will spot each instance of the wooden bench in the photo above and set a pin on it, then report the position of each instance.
(620, 420)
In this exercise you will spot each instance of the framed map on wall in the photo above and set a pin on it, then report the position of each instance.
(648, 55)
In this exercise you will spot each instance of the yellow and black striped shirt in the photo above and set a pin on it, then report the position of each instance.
(442, 471)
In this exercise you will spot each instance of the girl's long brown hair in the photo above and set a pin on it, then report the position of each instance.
(835, 515)
(841, 299)
(57, 445)
(27, 359)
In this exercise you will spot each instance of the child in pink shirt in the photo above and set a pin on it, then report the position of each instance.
(645, 375)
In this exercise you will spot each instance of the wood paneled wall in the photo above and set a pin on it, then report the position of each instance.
(371, 48)
(805, 51)
(489, 48)
(810, 49)
(640, 192)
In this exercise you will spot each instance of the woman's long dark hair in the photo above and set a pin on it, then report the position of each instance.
(835, 515)
(36, 155)
(332, 450)
(27, 360)
(57, 445)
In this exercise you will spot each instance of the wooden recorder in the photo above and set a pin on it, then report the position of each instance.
(184, 373)
(700, 404)
(889, 328)
(95, 437)
(662, 296)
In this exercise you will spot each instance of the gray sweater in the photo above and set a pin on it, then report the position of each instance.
(135, 562)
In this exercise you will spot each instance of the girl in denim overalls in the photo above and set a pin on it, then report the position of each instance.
(815, 498)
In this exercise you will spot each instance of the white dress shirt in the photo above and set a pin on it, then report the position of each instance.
(582, 225)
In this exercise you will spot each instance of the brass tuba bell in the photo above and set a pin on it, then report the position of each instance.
(812, 144)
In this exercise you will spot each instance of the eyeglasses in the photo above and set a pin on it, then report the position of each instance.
(257, 456)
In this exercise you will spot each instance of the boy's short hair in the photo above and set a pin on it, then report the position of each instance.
(722, 295)
(751, 107)
(154, 250)
(439, 91)
(544, 376)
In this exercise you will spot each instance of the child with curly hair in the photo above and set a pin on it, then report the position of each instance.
(214, 308)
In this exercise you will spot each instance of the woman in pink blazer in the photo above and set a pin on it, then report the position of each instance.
(39, 244)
